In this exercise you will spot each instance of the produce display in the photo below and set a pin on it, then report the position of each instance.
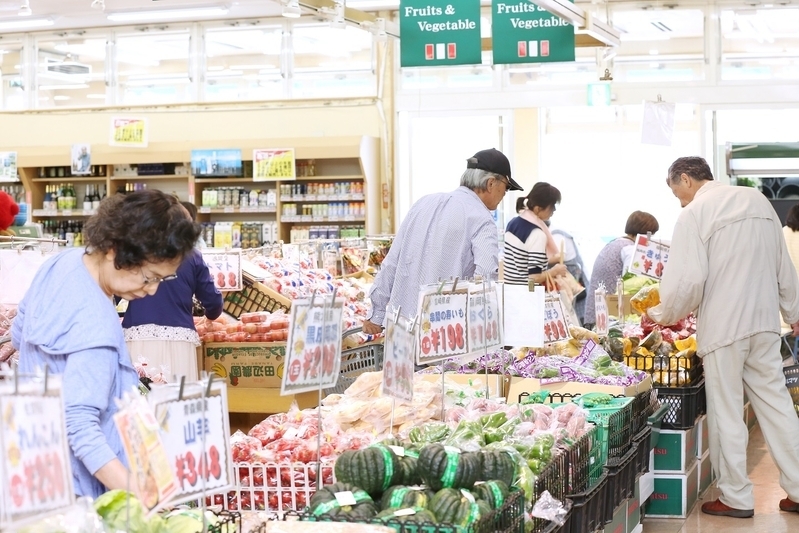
(7, 351)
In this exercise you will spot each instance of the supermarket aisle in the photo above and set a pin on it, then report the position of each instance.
(768, 493)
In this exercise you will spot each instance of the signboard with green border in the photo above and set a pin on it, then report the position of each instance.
(437, 32)
(523, 32)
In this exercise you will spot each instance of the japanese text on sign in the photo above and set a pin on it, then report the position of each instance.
(313, 352)
(601, 306)
(556, 328)
(276, 164)
(184, 425)
(485, 324)
(225, 268)
(35, 465)
(443, 331)
(131, 132)
(650, 257)
(398, 366)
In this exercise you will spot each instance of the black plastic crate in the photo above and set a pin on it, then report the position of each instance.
(552, 527)
(792, 382)
(250, 299)
(507, 519)
(668, 371)
(553, 478)
(588, 508)
(684, 405)
(621, 481)
(642, 441)
(644, 405)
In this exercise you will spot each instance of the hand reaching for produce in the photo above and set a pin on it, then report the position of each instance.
(370, 328)
(795, 328)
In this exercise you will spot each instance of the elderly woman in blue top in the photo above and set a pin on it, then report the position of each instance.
(67, 321)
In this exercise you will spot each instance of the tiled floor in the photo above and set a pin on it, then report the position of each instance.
(768, 517)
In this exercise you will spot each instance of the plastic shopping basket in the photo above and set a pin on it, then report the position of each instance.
(355, 361)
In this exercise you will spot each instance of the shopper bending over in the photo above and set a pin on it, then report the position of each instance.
(612, 261)
(67, 321)
(529, 246)
(728, 259)
(161, 327)
(444, 235)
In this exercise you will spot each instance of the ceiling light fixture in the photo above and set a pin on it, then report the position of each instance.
(167, 14)
(338, 21)
(291, 9)
(25, 9)
(25, 23)
(98, 4)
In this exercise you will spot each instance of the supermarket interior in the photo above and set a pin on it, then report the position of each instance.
(399, 266)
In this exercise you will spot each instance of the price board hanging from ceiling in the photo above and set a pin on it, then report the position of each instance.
(523, 32)
(35, 468)
(440, 32)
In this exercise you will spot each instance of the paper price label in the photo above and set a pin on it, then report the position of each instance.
(556, 327)
(225, 268)
(8, 165)
(345, 498)
(601, 306)
(313, 352)
(444, 325)
(131, 132)
(398, 365)
(35, 473)
(485, 323)
(650, 257)
(274, 164)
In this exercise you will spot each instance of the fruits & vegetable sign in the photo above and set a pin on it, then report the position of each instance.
(225, 268)
(313, 352)
(444, 325)
(650, 257)
(35, 473)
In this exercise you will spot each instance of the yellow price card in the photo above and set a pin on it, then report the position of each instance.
(273, 164)
(130, 132)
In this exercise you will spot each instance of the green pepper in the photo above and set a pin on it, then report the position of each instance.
(536, 397)
(493, 420)
(429, 433)
(535, 465)
(603, 361)
(494, 435)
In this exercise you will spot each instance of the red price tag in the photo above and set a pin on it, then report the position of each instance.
(556, 327)
(189, 470)
(444, 326)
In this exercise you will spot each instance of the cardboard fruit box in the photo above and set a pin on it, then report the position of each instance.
(246, 364)
(675, 494)
(676, 450)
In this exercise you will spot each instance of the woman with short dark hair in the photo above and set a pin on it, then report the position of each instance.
(68, 322)
(613, 259)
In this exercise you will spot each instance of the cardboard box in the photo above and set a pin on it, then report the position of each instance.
(519, 386)
(634, 508)
(751, 419)
(267, 401)
(705, 474)
(675, 494)
(619, 522)
(702, 444)
(676, 450)
(613, 305)
(246, 364)
(496, 383)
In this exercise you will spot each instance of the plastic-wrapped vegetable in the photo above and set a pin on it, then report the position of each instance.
(524, 478)
(493, 420)
(468, 436)
(645, 299)
(429, 433)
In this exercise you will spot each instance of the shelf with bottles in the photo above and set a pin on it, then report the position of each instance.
(66, 230)
(51, 174)
(151, 171)
(246, 234)
(299, 234)
(230, 209)
(325, 212)
(64, 200)
(14, 190)
(322, 192)
(215, 200)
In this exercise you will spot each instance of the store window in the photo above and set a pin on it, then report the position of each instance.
(659, 45)
(12, 90)
(332, 62)
(581, 71)
(153, 66)
(244, 63)
(760, 44)
(71, 69)
(604, 172)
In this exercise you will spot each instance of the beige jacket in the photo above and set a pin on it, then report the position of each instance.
(728, 259)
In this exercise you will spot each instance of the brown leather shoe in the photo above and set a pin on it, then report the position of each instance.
(789, 506)
(719, 509)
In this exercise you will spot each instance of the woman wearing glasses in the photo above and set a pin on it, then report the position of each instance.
(160, 328)
(68, 323)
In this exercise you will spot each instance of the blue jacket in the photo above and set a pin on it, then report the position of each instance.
(66, 322)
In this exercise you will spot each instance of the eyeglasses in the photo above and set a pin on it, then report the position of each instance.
(504, 180)
(156, 279)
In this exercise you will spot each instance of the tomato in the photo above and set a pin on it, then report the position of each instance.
(220, 336)
(257, 337)
(261, 328)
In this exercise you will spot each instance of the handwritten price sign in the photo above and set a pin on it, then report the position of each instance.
(444, 320)
(274, 164)
(650, 257)
(398, 367)
(183, 426)
(601, 306)
(130, 132)
(225, 268)
(313, 352)
(485, 324)
(35, 474)
(556, 328)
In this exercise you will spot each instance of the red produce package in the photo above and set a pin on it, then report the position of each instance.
(243, 447)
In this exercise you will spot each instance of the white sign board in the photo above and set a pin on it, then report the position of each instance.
(601, 307)
(398, 368)
(485, 320)
(523, 315)
(444, 324)
(225, 268)
(650, 257)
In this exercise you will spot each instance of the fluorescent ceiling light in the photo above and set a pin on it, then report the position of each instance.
(63, 87)
(167, 14)
(60, 97)
(96, 96)
(25, 23)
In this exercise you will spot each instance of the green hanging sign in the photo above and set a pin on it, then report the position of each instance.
(523, 32)
(436, 32)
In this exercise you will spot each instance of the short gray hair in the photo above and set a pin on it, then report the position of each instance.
(476, 179)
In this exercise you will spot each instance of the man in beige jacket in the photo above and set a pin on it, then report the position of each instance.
(728, 260)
